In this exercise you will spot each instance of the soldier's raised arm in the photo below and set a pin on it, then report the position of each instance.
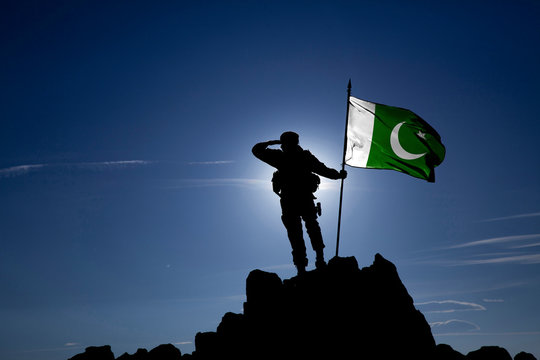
(261, 151)
(323, 170)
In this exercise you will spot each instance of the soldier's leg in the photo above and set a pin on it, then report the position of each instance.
(293, 225)
(314, 231)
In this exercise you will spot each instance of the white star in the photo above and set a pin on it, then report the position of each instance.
(421, 135)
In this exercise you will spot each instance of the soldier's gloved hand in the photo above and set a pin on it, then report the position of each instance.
(273, 142)
(343, 174)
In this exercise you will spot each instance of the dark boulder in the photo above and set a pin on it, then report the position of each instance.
(445, 352)
(524, 356)
(141, 354)
(164, 352)
(95, 353)
(489, 353)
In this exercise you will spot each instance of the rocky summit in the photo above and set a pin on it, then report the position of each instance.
(338, 312)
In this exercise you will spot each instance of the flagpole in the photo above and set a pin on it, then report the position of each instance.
(343, 166)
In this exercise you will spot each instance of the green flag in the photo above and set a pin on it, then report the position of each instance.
(386, 137)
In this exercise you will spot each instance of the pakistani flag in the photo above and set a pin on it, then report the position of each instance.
(386, 137)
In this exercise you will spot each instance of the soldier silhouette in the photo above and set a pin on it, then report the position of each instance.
(295, 182)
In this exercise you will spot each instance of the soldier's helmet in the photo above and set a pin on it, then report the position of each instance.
(289, 138)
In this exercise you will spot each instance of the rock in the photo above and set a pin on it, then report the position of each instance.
(141, 354)
(445, 352)
(489, 353)
(161, 352)
(524, 356)
(336, 312)
(263, 293)
(207, 345)
(164, 352)
(95, 353)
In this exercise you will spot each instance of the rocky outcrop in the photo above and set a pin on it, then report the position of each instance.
(337, 312)
(524, 356)
(161, 352)
(489, 352)
(445, 352)
(95, 353)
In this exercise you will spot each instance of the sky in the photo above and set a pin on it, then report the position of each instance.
(132, 209)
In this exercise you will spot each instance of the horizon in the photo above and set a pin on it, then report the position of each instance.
(132, 209)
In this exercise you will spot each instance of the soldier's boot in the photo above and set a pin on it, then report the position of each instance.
(319, 262)
(300, 260)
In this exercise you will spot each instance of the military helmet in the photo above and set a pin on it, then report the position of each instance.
(289, 138)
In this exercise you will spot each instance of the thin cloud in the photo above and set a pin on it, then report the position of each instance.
(525, 246)
(19, 170)
(96, 165)
(477, 290)
(454, 325)
(496, 240)
(217, 162)
(236, 182)
(193, 183)
(518, 216)
(518, 259)
(66, 347)
(113, 163)
(493, 300)
(278, 267)
(512, 333)
(449, 306)
(183, 343)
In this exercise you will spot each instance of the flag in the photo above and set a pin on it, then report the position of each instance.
(387, 137)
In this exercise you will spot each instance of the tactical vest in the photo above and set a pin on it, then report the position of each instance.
(295, 176)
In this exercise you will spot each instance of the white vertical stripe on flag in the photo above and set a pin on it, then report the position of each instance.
(359, 132)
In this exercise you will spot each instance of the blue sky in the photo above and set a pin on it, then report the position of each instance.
(132, 209)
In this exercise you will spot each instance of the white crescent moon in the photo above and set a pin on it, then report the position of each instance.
(398, 149)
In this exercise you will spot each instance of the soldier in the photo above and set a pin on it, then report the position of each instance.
(295, 182)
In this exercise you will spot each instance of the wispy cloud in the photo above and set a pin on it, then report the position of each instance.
(183, 343)
(191, 183)
(95, 165)
(278, 267)
(493, 300)
(510, 333)
(525, 246)
(70, 346)
(453, 326)
(215, 162)
(495, 240)
(448, 306)
(526, 259)
(112, 163)
(510, 217)
(19, 170)
(517, 259)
